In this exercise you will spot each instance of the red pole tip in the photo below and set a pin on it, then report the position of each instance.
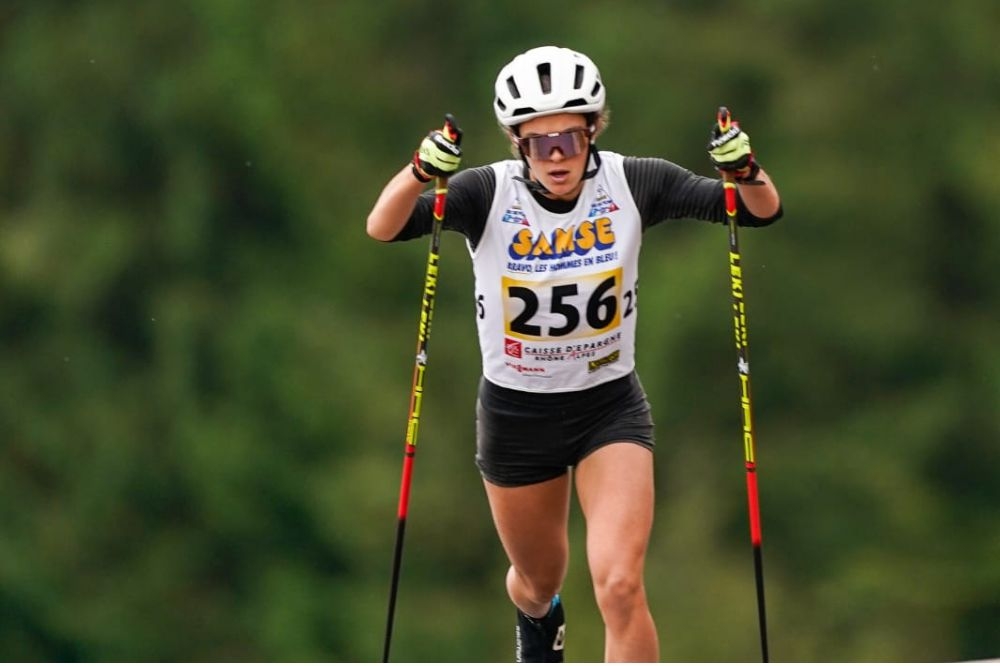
(723, 118)
(451, 128)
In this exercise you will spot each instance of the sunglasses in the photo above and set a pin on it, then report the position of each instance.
(540, 146)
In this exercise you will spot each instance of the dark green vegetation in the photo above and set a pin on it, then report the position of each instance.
(205, 363)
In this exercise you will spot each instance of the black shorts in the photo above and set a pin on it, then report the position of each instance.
(524, 438)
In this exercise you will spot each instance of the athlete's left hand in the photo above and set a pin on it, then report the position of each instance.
(730, 152)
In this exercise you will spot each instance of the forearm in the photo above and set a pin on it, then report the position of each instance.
(762, 200)
(394, 205)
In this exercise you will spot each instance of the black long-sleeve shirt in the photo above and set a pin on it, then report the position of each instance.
(661, 189)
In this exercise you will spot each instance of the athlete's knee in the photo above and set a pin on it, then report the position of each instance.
(619, 592)
(539, 585)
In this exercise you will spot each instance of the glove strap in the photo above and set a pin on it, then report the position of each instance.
(419, 173)
(750, 178)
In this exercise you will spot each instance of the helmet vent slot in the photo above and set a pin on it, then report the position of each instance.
(512, 87)
(545, 77)
(578, 78)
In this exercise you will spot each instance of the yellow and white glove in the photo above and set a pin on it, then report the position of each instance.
(730, 153)
(440, 153)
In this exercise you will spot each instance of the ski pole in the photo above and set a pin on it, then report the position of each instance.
(743, 367)
(417, 390)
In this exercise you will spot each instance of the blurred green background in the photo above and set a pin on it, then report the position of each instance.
(205, 363)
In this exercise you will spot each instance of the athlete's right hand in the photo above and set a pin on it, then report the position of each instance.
(439, 153)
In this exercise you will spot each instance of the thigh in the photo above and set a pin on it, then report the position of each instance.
(615, 487)
(532, 523)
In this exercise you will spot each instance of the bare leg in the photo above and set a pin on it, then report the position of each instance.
(532, 522)
(615, 487)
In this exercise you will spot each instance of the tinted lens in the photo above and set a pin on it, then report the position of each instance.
(541, 147)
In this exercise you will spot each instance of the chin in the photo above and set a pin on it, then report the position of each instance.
(564, 191)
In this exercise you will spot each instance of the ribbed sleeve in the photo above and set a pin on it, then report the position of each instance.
(470, 196)
(665, 191)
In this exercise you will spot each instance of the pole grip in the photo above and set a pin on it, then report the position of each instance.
(724, 118)
(452, 129)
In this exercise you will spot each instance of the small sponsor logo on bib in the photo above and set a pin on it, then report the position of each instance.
(603, 204)
(512, 347)
(515, 215)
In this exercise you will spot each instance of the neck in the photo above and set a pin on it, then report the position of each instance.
(553, 205)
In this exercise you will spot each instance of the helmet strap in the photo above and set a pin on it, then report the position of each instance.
(532, 185)
(597, 162)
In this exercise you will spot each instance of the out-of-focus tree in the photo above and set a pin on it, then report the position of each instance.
(204, 361)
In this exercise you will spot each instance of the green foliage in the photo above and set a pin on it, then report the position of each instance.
(205, 362)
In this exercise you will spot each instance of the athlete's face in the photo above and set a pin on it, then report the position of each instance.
(557, 149)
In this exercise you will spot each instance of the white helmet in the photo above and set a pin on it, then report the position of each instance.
(544, 81)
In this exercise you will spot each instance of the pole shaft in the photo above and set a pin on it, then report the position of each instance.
(746, 406)
(416, 400)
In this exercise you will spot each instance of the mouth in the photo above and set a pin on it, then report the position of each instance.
(559, 176)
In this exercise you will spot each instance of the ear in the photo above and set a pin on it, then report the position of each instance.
(514, 139)
(515, 148)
